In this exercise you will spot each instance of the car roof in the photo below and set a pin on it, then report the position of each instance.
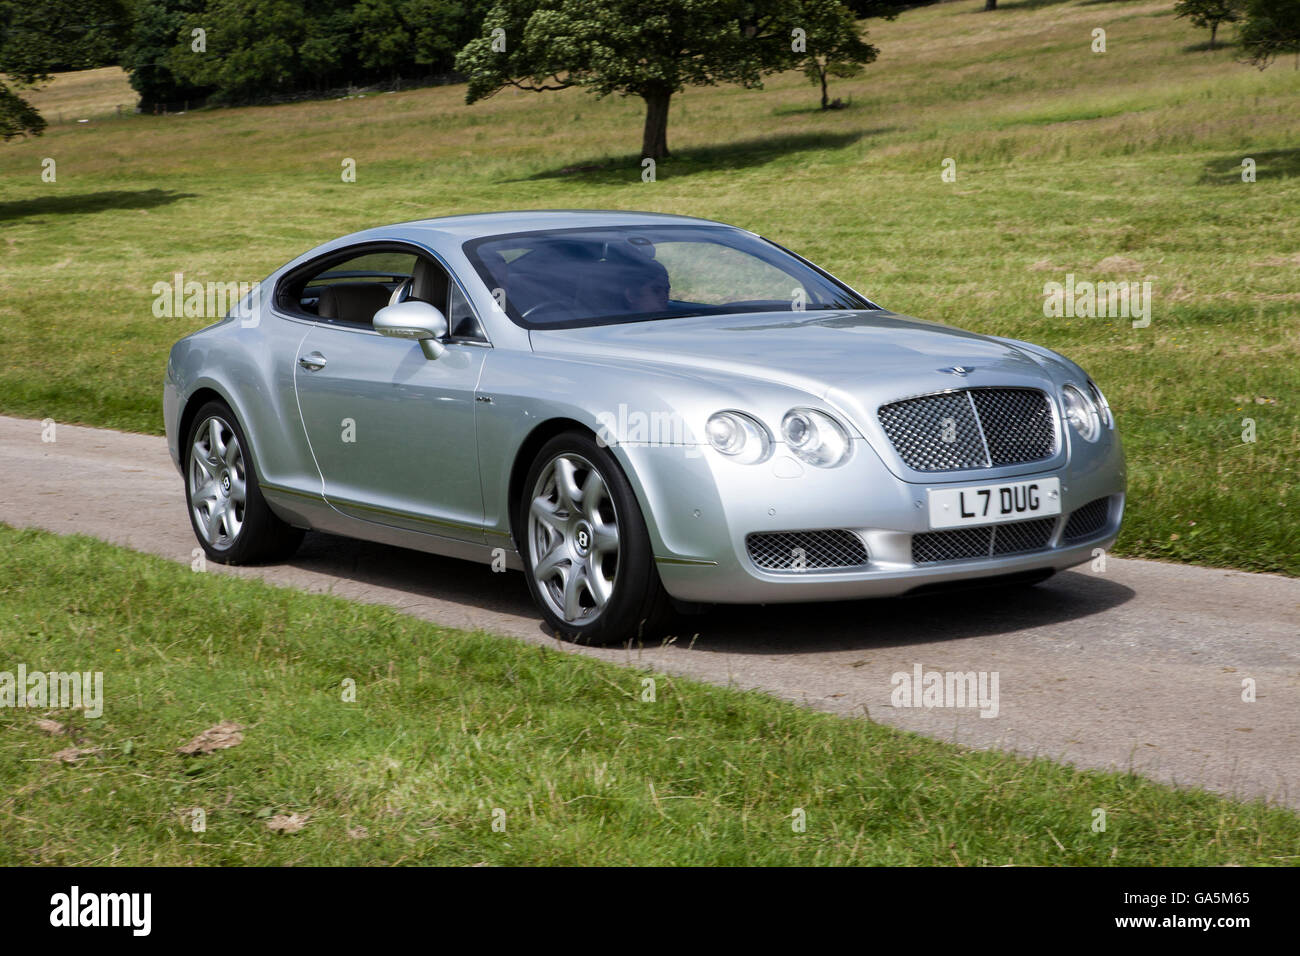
(479, 225)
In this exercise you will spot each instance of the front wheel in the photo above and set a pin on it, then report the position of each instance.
(587, 554)
(231, 519)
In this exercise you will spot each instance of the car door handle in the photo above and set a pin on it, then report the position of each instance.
(313, 362)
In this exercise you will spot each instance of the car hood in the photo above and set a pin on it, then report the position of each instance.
(853, 360)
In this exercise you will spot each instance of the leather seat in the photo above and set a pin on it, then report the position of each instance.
(352, 301)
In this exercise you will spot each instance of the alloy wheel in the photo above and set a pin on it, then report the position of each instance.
(217, 483)
(573, 534)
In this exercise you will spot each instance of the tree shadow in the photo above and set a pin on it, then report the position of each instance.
(1204, 46)
(1023, 5)
(86, 203)
(814, 109)
(1269, 163)
(757, 151)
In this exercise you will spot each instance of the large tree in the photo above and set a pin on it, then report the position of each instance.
(646, 48)
(1270, 28)
(1209, 14)
(55, 35)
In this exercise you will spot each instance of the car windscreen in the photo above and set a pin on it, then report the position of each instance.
(573, 277)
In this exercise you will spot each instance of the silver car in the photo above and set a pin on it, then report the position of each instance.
(644, 413)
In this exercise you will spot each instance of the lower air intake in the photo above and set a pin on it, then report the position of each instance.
(1088, 520)
(797, 551)
(964, 544)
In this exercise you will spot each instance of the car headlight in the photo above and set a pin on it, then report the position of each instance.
(1081, 412)
(738, 436)
(1103, 406)
(815, 437)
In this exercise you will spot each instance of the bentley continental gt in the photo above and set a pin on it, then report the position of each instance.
(643, 413)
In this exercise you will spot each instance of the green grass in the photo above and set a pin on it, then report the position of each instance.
(1116, 166)
(449, 726)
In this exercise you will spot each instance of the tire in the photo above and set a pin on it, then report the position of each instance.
(218, 469)
(586, 552)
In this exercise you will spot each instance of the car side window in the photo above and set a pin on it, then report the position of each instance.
(462, 321)
(352, 290)
(349, 287)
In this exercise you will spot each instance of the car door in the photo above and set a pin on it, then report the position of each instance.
(392, 431)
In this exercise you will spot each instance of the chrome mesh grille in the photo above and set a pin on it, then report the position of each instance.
(1088, 520)
(1017, 424)
(957, 544)
(1023, 536)
(797, 551)
(935, 433)
(951, 545)
(971, 428)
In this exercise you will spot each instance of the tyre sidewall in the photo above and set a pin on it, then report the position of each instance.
(258, 518)
(637, 589)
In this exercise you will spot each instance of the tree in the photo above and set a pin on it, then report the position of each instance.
(831, 45)
(990, 4)
(260, 49)
(157, 27)
(17, 116)
(1270, 28)
(646, 48)
(1209, 13)
(398, 34)
(56, 35)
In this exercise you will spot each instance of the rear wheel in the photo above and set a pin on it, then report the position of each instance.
(231, 519)
(587, 554)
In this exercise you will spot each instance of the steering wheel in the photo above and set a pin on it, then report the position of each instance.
(540, 306)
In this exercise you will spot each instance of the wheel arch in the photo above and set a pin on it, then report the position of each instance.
(525, 457)
(190, 410)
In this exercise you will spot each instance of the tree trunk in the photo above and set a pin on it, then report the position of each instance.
(654, 141)
(825, 98)
(1214, 28)
(990, 4)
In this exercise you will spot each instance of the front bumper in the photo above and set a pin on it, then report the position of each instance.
(700, 509)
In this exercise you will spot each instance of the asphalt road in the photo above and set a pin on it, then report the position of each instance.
(1139, 667)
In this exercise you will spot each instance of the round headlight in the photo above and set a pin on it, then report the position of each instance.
(1103, 406)
(738, 436)
(815, 437)
(1081, 413)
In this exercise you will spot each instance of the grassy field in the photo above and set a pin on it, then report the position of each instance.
(449, 727)
(1116, 166)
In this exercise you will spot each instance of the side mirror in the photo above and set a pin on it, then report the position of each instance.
(414, 320)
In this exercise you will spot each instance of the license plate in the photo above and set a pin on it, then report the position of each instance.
(994, 504)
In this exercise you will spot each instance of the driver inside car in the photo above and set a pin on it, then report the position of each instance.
(648, 291)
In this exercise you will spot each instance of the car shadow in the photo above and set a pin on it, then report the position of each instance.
(84, 203)
(737, 629)
(901, 621)
(416, 573)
